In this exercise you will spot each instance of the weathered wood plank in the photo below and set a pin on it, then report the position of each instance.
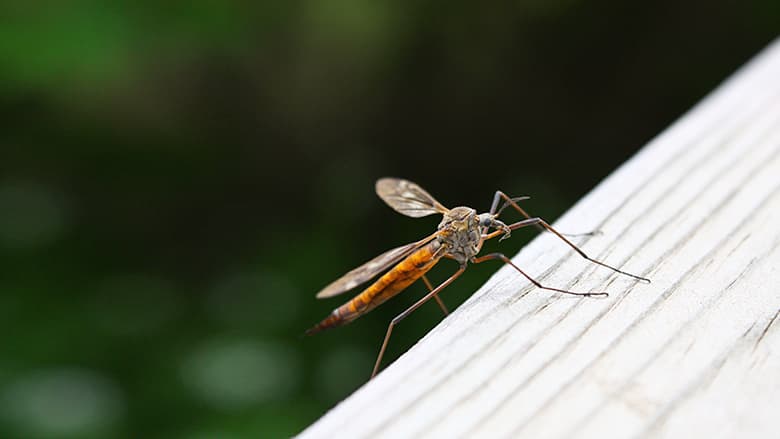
(695, 352)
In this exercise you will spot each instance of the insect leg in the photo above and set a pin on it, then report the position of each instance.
(493, 256)
(543, 224)
(408, 311)
(495, 210)
(436, 296)
(514, 226)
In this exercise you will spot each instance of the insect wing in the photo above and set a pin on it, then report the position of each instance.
(371, 268)
(408, 198)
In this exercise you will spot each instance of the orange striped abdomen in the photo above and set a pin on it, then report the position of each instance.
(387, 286)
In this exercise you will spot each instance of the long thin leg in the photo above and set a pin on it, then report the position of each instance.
(543, 224)
(436, 296)
(513, 226)
(495, 210)
(493, 256)
(408, 311)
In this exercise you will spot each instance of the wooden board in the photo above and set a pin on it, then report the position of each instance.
(696, 353)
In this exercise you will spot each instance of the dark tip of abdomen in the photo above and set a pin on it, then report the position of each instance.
(332, 321)
(313, 330)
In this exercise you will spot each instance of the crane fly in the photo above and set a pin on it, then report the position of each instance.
(459, 236)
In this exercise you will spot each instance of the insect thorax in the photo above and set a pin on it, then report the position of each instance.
(462, 237)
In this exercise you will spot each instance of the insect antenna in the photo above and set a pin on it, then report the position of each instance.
(507, 204)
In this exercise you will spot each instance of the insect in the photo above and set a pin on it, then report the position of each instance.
(459, 236)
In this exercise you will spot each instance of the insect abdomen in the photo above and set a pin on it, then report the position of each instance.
(387, 286)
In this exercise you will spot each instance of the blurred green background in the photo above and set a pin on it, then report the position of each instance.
(179, 181)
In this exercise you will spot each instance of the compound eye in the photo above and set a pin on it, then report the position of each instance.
(485, 220)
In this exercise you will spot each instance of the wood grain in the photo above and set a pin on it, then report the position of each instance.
(696, 353)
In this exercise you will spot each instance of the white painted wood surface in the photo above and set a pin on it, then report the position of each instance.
(696, 353)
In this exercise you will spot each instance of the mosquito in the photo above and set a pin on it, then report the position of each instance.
(459, 236)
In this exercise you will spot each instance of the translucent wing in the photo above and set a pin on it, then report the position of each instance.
(407, 197)
(371, 268)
